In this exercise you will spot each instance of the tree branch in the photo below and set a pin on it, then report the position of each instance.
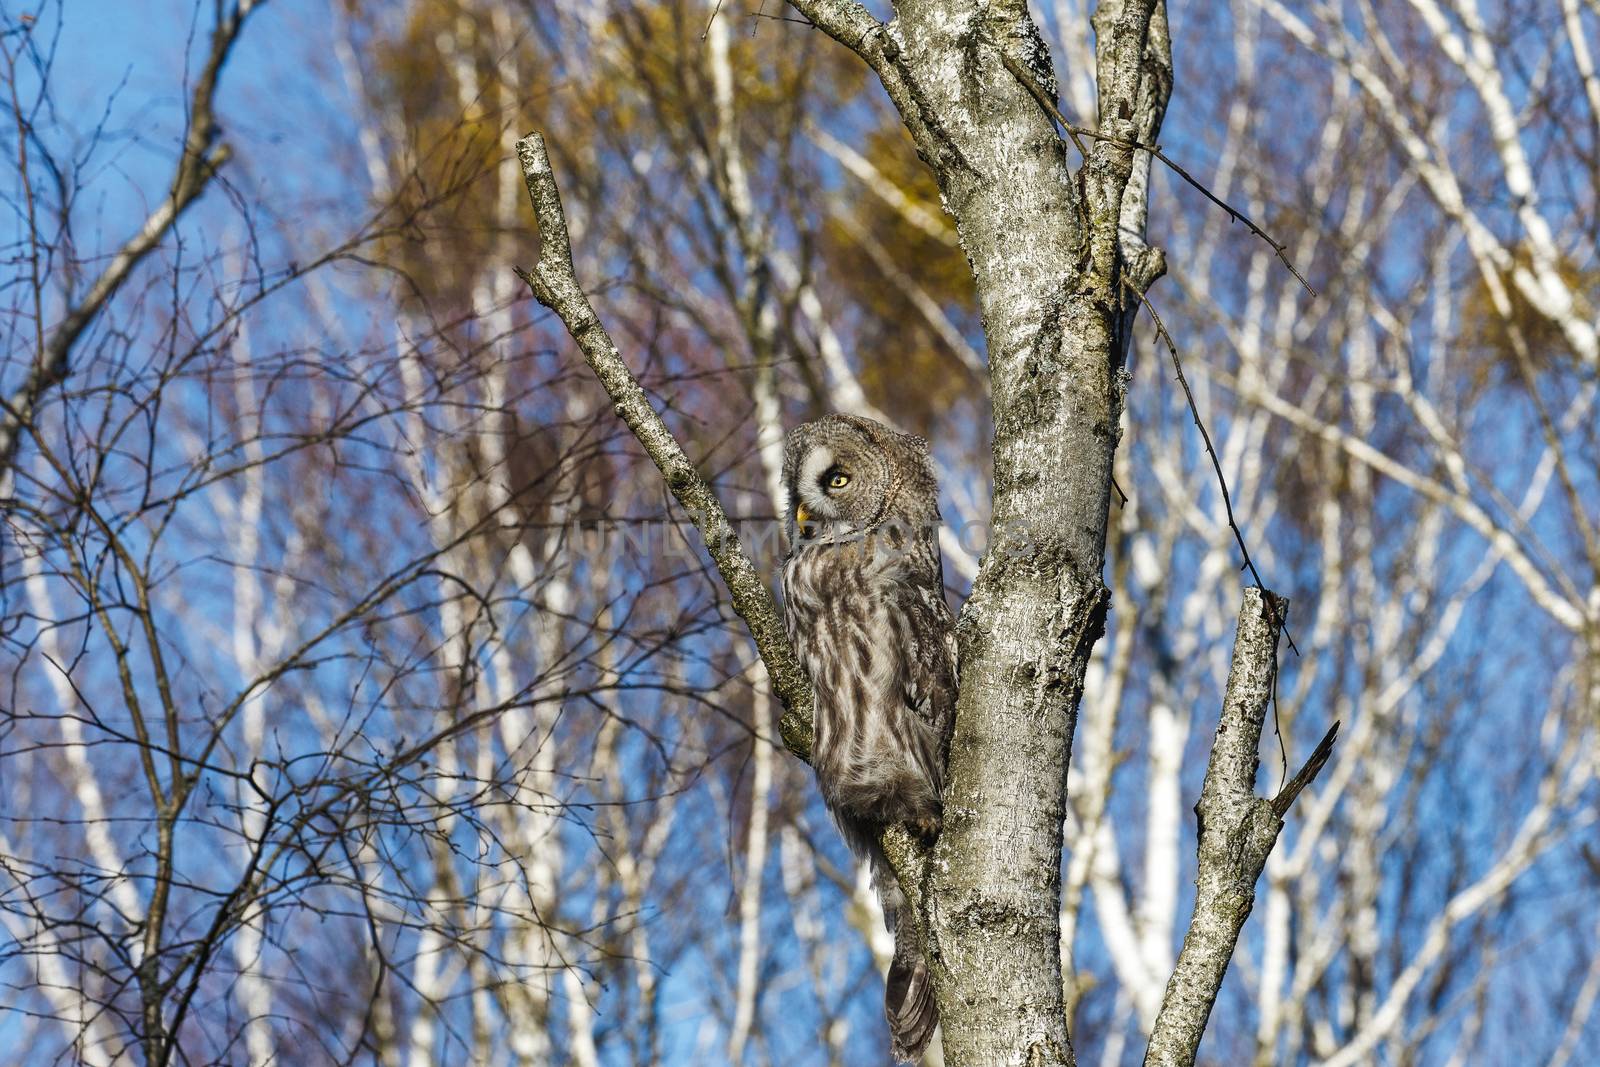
(1237, 832)
(555, 285)
(853, 26)
(1074, 131)
(201, 158)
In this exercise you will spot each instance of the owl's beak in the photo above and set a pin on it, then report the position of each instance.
(801, 515)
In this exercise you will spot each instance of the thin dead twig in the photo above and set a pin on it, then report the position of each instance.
(1216, 464)
(200, 159)
(1307, 772)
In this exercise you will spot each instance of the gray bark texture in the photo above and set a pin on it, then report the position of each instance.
(1048, 260)
(1237, 832)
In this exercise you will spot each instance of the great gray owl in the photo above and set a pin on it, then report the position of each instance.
(864, 602)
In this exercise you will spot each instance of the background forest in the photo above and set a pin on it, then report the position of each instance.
(366, 698)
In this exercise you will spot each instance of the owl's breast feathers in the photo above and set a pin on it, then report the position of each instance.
(872, 628)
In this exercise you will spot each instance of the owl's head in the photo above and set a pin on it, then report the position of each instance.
(849, 474)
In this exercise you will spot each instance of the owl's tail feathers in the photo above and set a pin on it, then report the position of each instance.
(908, 1000)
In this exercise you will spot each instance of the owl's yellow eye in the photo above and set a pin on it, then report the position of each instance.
(838, 480)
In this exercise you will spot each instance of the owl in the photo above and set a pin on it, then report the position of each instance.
(864, 603)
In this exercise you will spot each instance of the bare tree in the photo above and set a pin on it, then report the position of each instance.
(298, 621)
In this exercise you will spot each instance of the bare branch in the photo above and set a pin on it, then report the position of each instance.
(555, 285)
(1075, 131)
(1307, 773)
(199, 162)
(1237, 831)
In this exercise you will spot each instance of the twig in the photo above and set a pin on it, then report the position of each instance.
(715, 11)
(555, 285)
(1216, 464)
(780, 18)
(1308, 771)
(1075, 132)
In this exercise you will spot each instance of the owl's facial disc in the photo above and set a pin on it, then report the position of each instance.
(821, 491)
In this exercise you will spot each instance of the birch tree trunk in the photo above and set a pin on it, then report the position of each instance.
(1046, 256)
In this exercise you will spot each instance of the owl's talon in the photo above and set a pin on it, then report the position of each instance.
(927, 828)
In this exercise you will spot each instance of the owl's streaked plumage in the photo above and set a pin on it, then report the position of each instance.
(864, 602)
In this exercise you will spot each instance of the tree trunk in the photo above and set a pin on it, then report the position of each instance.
(1045, 252)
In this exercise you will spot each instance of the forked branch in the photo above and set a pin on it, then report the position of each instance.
(1237, 832)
